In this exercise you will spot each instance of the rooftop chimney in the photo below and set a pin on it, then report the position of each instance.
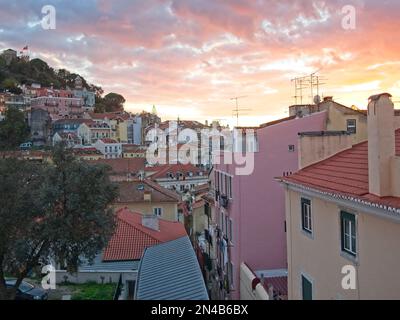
(151, 222)
(381, 144)
(147, 195)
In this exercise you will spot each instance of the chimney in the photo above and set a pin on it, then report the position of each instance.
(151, 222)
(147, 195)
(381, 144)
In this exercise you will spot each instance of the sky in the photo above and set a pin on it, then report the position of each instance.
(191, 57)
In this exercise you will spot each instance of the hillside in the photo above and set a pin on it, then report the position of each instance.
(38, 71)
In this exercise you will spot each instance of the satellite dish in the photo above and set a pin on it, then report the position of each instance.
(317, 99)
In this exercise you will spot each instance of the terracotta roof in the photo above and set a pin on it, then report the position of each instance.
(267, 124)
(86, 151)
(109, 115)
(271, 123)
(346, 174)
(108, 140)
(161, 171)
(94, 125)
(131, 238)
(133, 191)
(123, 165)
(69, 121)
(133, 148)
(279, 285)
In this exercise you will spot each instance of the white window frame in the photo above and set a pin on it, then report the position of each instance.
(155, 209)
(306, 218)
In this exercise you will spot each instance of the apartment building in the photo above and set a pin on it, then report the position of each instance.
(342, 217)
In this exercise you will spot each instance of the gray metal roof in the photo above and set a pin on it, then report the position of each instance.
(170, 271)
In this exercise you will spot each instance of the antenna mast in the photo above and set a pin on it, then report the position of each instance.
(312, 81)
(237, 111)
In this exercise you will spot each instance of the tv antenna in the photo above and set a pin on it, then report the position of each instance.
(237, 111)
(311, 82)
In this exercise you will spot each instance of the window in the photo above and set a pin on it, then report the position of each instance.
(351, 125)
(291, 147)
(230, 235)
(157, 212)
(306, 223)
(226, 226)
(230, 273)
(348, 233)
(306, 288)
(230, 187)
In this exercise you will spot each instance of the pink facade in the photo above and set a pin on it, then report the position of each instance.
(257, 232)
(59, 107)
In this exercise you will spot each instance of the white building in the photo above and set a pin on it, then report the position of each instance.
(109, 147)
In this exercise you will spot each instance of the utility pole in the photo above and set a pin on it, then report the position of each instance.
(236, 111)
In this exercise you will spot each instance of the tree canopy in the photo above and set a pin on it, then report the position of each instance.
(13, 129)
(55, 212)
(110, 103)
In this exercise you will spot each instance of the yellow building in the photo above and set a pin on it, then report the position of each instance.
(342, 217)
(339, 118)
(133, 151)
(148, 198)
(116, 121)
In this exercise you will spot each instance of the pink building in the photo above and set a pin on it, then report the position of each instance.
(59, 103)
(250, 209)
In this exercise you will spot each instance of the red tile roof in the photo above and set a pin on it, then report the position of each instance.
(86, 151)
(133, 191)
(123, 165)
(131, 238)
(279, 285)
(345, 173)
(162, 170)
(109, 115)
(108, 140)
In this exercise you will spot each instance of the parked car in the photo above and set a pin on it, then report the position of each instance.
(27, 291)
(25, 146)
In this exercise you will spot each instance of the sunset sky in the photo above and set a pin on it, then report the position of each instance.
(189, 57)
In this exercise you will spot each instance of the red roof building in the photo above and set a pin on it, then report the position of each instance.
(131, 237)
(345, 174)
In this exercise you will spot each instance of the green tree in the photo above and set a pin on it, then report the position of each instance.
(114, 102)
(9, 83)
(13, 129)
(110, 103)
(52, 212)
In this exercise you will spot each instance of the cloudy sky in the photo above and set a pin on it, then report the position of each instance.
(189, 57)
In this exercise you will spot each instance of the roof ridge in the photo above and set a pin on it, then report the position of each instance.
(137, 227)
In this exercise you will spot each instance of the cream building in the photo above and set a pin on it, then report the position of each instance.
(148, 198)
(339, 118)
(342, 217)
